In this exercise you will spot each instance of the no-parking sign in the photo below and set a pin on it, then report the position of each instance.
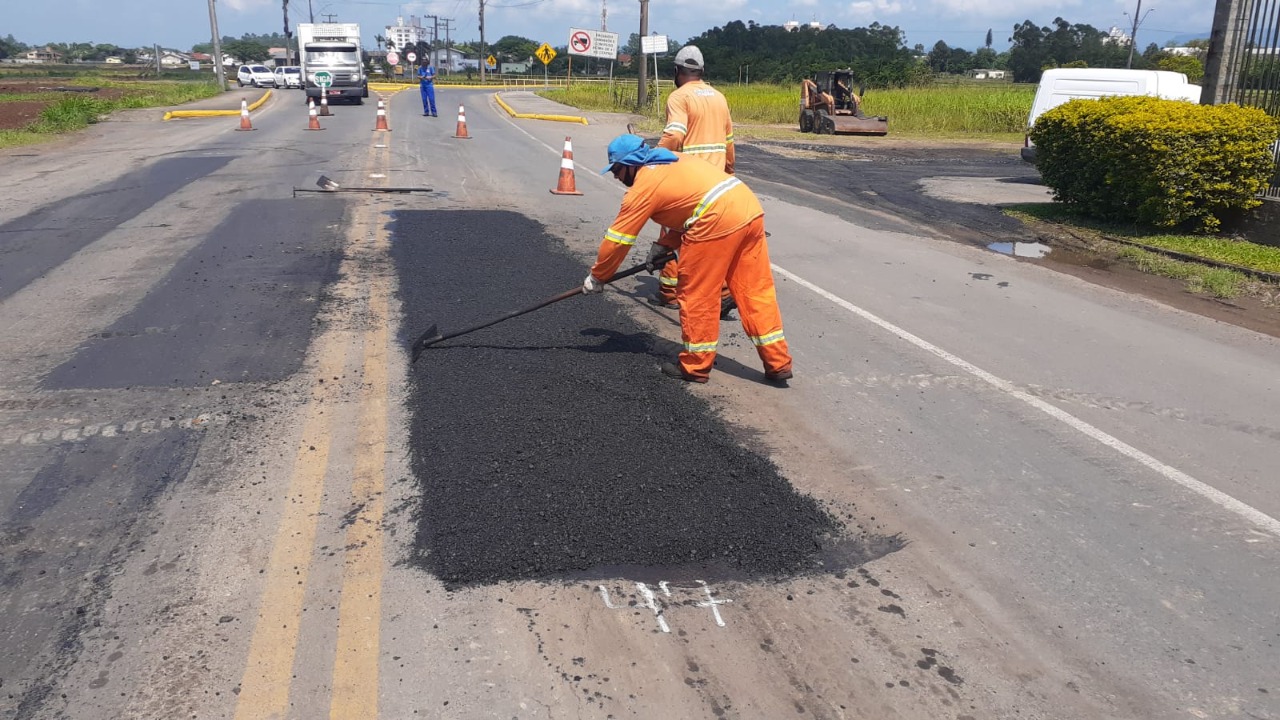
(593, 43)
(411, 57)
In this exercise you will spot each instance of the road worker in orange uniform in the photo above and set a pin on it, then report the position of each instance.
(698, 125)
(723, 241)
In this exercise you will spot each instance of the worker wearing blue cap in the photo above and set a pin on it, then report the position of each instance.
(720, 238)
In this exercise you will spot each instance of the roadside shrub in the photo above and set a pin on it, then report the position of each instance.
(1161, 163)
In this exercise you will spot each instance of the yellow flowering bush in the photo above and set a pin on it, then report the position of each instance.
(1162, 163)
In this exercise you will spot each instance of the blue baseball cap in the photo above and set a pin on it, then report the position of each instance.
(620, 148)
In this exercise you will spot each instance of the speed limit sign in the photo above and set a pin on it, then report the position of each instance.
(411, 57)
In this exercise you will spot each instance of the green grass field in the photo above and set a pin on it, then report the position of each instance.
(69, 113)
(978, 111)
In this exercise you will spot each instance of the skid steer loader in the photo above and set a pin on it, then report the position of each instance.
(828, 106)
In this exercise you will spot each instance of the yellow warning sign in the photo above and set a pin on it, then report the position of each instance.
(491, 62)
(546, 54)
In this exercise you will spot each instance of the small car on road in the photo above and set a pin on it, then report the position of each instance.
(289, 77)
(255, 75)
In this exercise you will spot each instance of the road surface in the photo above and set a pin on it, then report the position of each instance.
(992, 490)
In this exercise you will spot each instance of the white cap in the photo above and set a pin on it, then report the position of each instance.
(689, 57)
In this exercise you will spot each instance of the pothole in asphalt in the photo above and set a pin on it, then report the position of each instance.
(549, 447)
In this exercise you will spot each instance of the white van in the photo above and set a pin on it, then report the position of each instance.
(1060, 85)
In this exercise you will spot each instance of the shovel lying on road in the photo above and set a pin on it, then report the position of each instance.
(329, 186)
(431, 336)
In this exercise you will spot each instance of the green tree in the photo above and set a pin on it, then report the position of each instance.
(1185, 64)
(246, 51)
(10, 47)
(513, 48)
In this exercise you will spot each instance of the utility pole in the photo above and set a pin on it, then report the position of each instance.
(311, 12)
(482, 55)
(643, 101)
(1133, 36)
(217, 48)
(331, 16)
(1221, 65)
(604, 15)
(435, 40)
(448, 45)
(288, 35)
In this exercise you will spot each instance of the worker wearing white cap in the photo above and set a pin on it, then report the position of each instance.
(699, 125)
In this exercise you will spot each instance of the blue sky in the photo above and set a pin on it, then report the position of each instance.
(960, 23)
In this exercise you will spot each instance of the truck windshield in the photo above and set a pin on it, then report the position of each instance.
(332, 57)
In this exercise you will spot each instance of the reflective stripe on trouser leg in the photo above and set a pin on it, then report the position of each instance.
(668, 281)
(751, 280)
(702, 270)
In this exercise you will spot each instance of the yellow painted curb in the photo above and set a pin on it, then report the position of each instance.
(384, 87)
(532, 116)
(215, 113)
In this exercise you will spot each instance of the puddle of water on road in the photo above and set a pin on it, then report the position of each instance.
(1021, 249)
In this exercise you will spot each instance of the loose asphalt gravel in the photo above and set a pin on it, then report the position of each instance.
(550, 446)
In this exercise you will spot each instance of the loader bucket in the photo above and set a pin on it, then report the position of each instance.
(848, 124)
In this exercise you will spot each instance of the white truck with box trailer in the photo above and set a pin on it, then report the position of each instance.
(332, 48)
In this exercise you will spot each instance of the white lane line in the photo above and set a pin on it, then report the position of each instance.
(1212, 494)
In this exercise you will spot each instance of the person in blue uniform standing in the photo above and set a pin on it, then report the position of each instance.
(427, 84)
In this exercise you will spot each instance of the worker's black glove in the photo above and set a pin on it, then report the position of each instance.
(655, 251)
(591, 285)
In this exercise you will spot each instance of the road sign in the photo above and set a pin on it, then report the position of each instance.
(492, 62)
(393, 58)
(653, 44)
(411, 57)
(593, 43)
(324, 78)
(546, 54)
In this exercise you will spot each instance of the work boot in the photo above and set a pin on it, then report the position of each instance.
(662, 302)
(673, 370)
(780, 378)
(727, 306)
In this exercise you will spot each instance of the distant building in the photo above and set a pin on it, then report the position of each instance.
(1116, 36)
(402, 35)
(987, 74)
(114, 60)
(42, 55)
(792, 25)
(447, 60)
(518, 68)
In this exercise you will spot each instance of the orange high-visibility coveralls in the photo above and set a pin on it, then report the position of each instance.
(723, 242)
(698, 124)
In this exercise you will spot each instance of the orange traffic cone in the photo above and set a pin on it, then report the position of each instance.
(566, 185)
(244, 117)
(314, 122)
(461, 132)
(382, 118)
(324, 106)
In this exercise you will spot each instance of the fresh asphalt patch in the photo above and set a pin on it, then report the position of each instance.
(551, 447)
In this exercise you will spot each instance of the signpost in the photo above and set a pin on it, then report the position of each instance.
(546, 54)
(393, 58)
(492, 62)
(412, 57)
(324, 79)
(593, 43)
(654, 45)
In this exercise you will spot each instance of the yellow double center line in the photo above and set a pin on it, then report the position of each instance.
(264, 689)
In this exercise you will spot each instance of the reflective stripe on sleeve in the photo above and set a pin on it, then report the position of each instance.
(676, 127)
(705, 148)
(768, 338)
(705, 347)
(723, 187)
(729, 139)
(620, 238)
(669, 282)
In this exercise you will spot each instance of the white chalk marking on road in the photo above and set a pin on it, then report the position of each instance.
(376, 175)
(605, 594)
(1214, 495)
(665, 590)
(712, 602)
(84, 432)
(651, 602)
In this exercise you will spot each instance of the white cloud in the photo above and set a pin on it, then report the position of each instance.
(249, 5)
(869, 10)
